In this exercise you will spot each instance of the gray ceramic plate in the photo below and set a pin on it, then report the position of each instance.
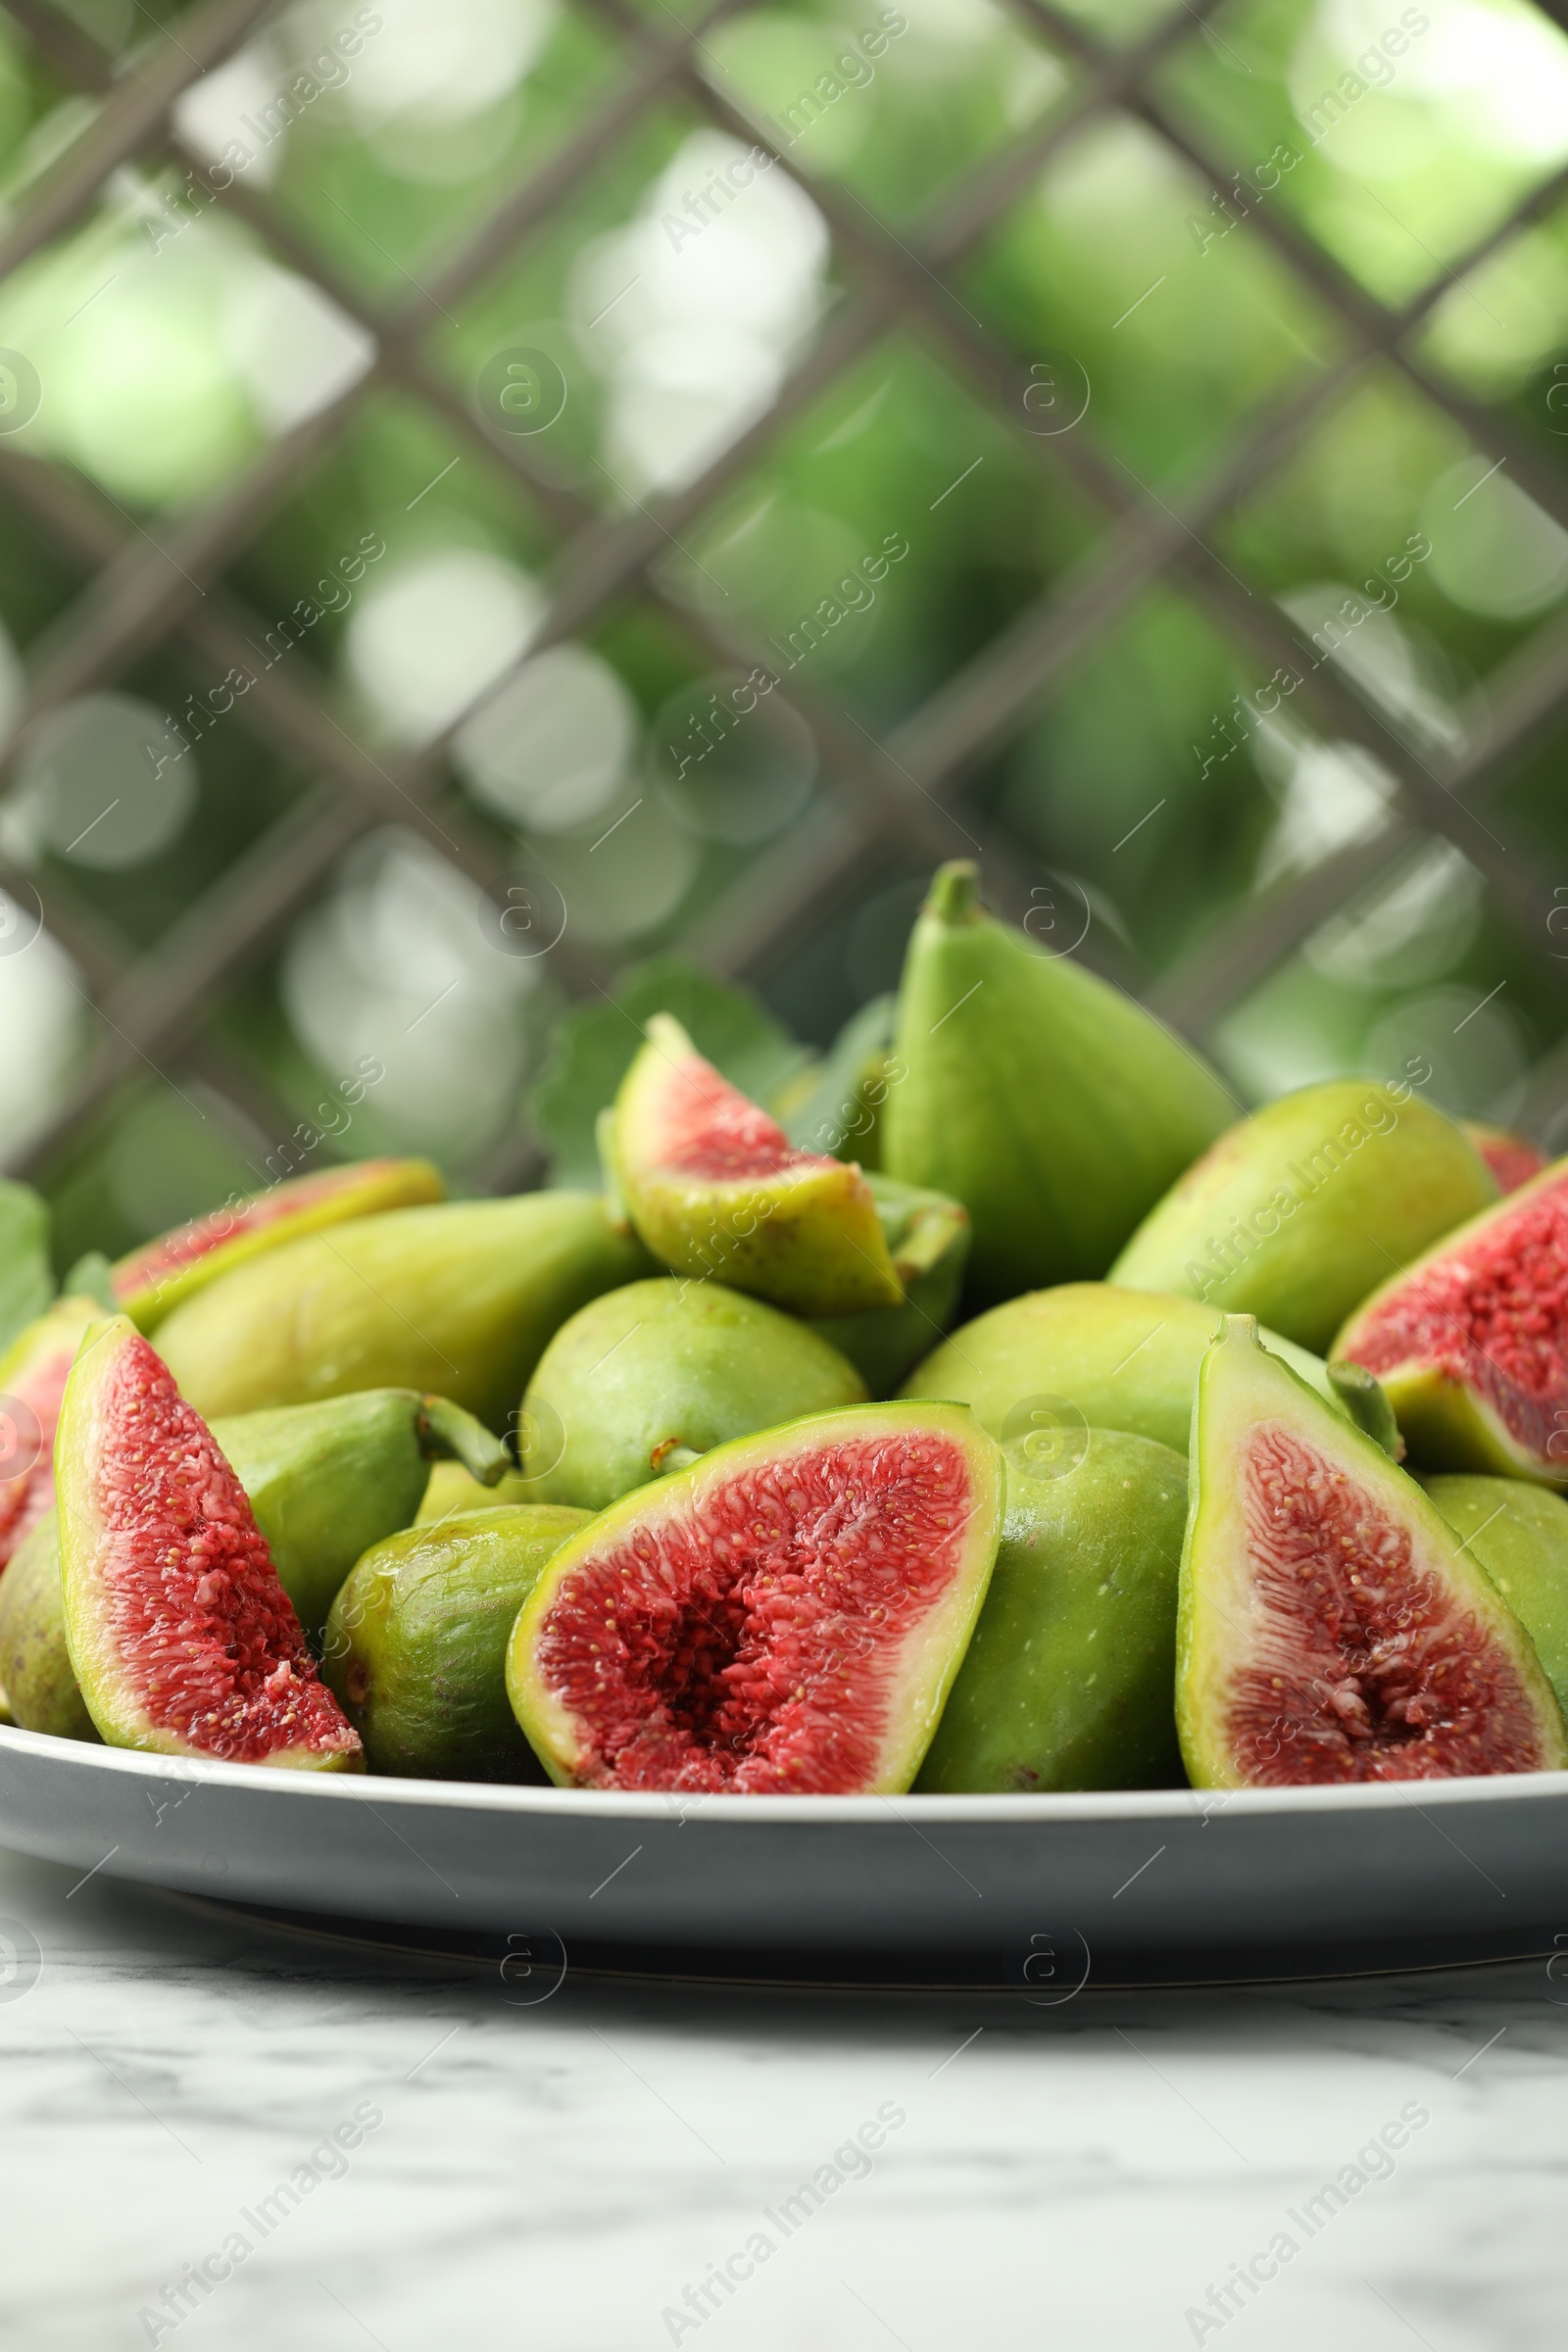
(1037, 1884)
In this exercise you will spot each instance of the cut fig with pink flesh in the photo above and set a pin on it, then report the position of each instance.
(151, 1280)
(783, 1618)
(33, 1380)
(1512, 1158)
(1332, 1626)
(715, 1189)
(180, 1634)
(1471, 1342)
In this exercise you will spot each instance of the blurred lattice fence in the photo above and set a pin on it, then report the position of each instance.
(161, 583)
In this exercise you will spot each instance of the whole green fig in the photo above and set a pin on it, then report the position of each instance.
(647, 1378)
(35, 1662)
(1519, 1533)
(1301, 1211)
(1051, 1106)
(1087, 1353)
(459, 1298)
(1069, 1681)
(327, 1481)
(417, 1642)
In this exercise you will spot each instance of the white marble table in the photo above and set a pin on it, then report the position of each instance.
(555, 2175)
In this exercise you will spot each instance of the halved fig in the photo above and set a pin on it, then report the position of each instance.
(1332, 1627)
(1512, 1158)
(1471, 1342)
(150, 1282)
(180, 1634)
(785, 1617)
(32, 1379)
(715, 1188)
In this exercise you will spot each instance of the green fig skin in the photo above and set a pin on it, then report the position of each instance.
(1301, 1211)
(327, 1481)
(1228, 1631)
(460, 1298)
(417, 1642)
(1067, 1681)
(151, 1279)
(799, 1230)
(1123, 1359)
(644, 1380)
(1519, 1533)
(453, 1490)
(928, 1237)
(1051, 1104)
(35, 1666)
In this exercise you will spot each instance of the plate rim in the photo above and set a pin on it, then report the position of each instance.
(1327, 1798)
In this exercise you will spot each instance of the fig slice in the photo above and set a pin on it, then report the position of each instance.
(33, 1372)
(1512, 1158)
(1471, 1342)
(1332, 1626)
(785, 1617)
(180, 1634)
(151, 1280)
(715, 1188)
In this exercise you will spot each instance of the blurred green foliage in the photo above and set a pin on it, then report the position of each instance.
(173, 350)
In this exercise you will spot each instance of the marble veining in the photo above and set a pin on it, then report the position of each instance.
(366, 2148)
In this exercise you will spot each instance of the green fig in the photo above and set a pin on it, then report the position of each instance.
(1086, 1353)
(151, 1279)
(417, 1642)
(327, 1481)
(457, 1298)
(1519, 1533)
(1051, 1104)
(643, 1381)
(1067, 1683)
(454, 1490)
(35, 1666)
(1332, 1626)
(1301, 1210)
(715, 1188)
(928, 1239)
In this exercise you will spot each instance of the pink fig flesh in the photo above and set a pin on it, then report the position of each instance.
(1471, 1343)
(181, 1637)
(784, 1618)
(32, 1383)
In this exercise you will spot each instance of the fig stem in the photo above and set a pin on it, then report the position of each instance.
(446, 1433)
(954, 894)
